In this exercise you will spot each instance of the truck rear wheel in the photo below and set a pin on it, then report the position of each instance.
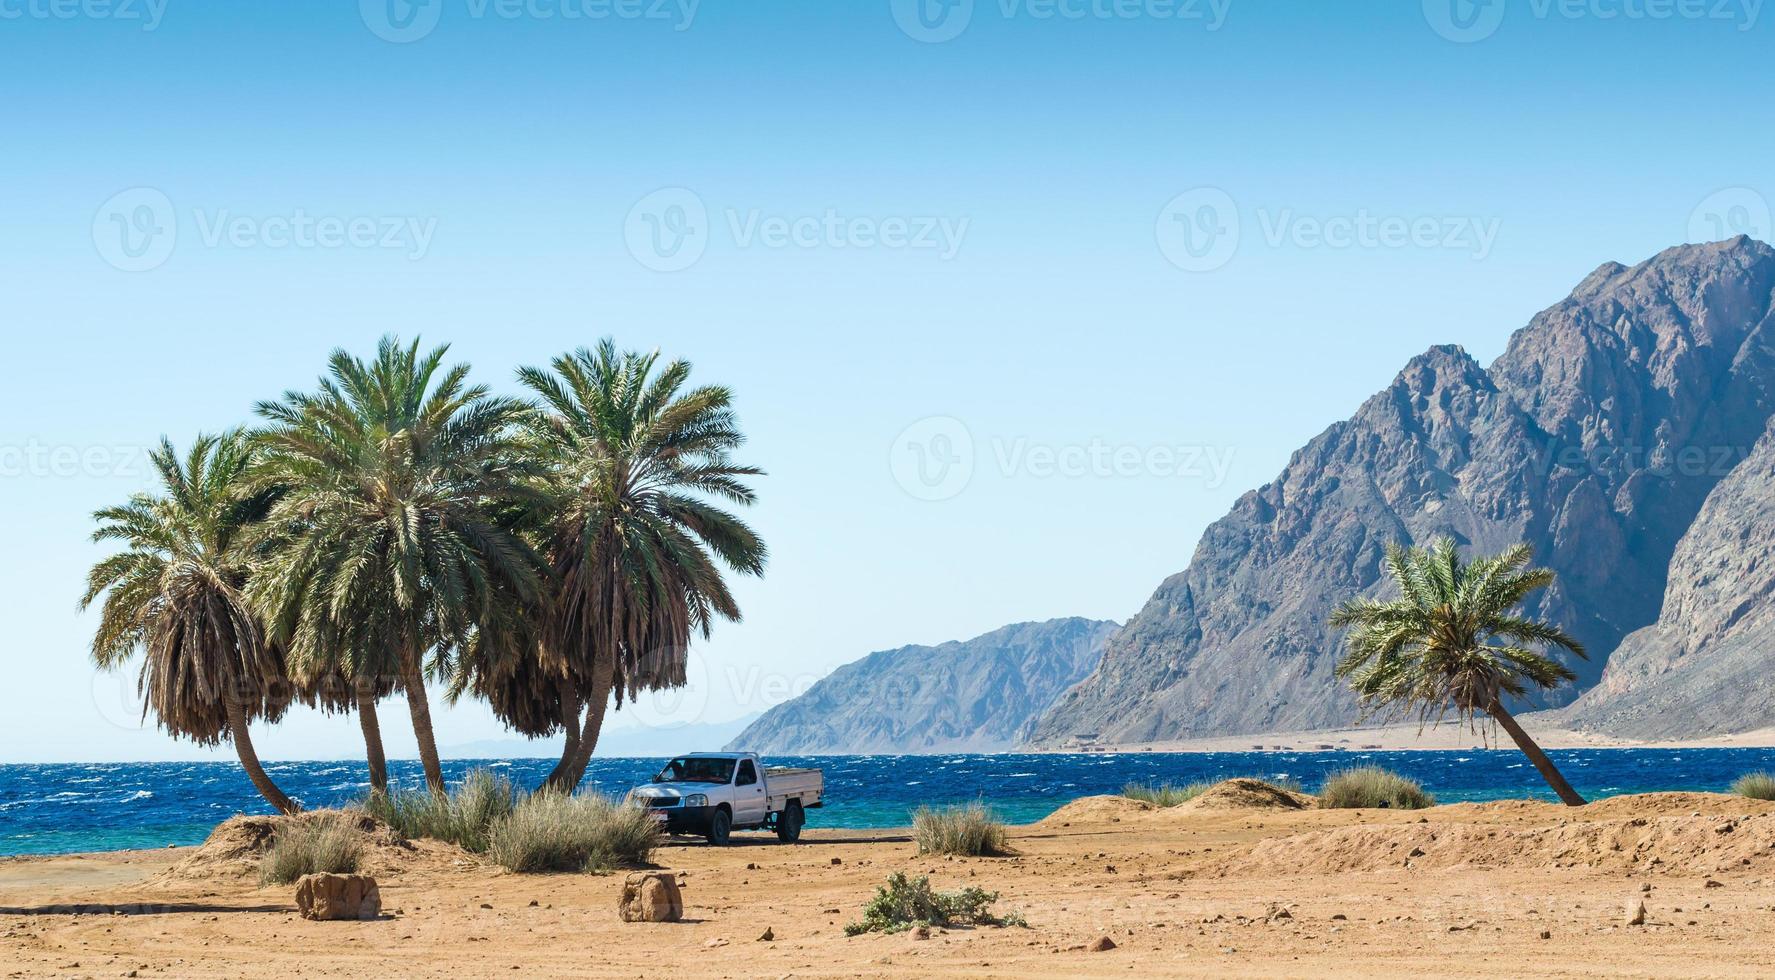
(720, 825)
(789, 822)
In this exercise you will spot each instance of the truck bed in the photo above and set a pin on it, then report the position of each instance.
(806, 785)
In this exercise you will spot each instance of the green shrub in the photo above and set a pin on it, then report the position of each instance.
(1756, 785)
(314, 843)
(462, 818)
(551, 831)
(968, 831)
(903, 903)
(1372, 787)
(1164, 794)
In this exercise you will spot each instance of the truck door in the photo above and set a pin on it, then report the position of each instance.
(750, 804)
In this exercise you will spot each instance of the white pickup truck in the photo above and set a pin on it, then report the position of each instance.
(716, 793)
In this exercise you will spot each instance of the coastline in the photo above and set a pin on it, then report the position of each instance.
(1411, 738)
(1108, 887)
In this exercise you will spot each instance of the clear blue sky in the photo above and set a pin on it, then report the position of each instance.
(868, 225)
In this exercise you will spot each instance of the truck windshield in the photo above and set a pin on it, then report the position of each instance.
(696, 770)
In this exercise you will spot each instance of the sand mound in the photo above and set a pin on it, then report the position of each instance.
(1685, 844)
(1233, 794)
(1248, 794)
(235, 848)
(1648, 804)
(1095, 809)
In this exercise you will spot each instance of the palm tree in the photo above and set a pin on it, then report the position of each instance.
(175, 593)
(635, 469)
(395, 474)
(1454, 641)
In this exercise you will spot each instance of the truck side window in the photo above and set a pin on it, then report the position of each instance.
(748, 775)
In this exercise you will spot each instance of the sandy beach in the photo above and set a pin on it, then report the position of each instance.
(1215, 887)
(1409, 737)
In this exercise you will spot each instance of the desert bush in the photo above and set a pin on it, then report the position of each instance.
(1164, 794)
(905, 902)
(968, 831)
(551, 831)
(1756, 785)
(463, 817)
(317, 843)
(1374, 788)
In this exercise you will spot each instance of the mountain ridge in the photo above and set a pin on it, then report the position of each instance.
(1571, 440)
(975, 695)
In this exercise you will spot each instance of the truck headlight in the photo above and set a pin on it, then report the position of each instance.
(696, 799)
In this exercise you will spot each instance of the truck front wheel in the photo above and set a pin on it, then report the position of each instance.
(720, 825)
(789, 822)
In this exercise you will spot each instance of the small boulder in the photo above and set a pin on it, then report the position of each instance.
(1636, 912)
(1103, 945)
(920, 933)
(334, 898)
(651, 897)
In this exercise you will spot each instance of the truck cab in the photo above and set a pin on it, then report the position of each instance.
(716, 793)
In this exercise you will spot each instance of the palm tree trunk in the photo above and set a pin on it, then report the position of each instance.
(1567, 795)
(249, 759)
(414, 681)
(372, 726)
(569, 724)
(603, 676)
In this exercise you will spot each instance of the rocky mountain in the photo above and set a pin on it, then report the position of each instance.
(978, 695)
(1596, 437)
(1708, 663)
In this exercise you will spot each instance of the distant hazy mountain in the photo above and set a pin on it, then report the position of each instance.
(644, 743)
(1596, 437)
(979, 695)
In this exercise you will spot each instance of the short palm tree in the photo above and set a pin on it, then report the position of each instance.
(636, 469)
(1454, 641)
(391, 540)
(175, 594)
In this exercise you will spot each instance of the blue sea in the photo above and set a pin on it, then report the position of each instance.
(51, 809)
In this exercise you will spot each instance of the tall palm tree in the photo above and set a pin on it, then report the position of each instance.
(1454, 641)
(395, 474)
(636, 467)
(175, 594)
